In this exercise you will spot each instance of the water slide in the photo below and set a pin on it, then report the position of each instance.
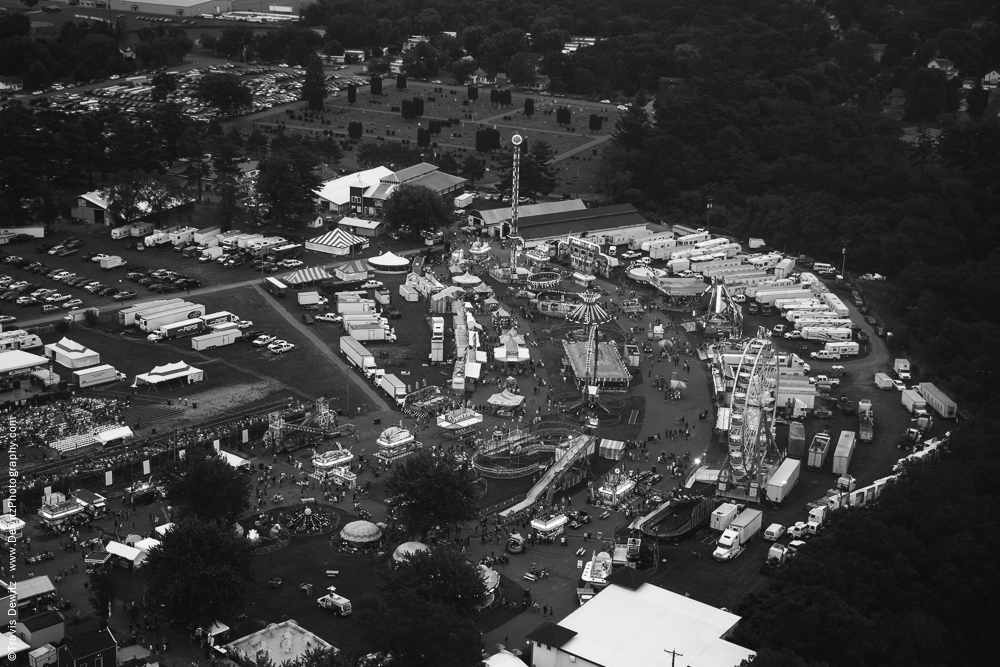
(577, 449)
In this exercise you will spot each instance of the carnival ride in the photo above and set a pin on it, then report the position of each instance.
(574, 450)
(676, 518)
(722, 316)
(321, 423)
(752, 452)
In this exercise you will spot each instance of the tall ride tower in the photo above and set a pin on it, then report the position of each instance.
(516, 242)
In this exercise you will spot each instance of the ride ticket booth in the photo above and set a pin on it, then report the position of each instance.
(94, 504)
(58, 511)
(550, 527)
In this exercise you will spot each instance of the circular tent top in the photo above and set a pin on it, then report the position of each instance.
(490, 578)
(408, 549)
(467, 279)
(389, 259)
(361, 531)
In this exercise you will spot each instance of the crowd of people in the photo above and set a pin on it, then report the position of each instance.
(39, 424)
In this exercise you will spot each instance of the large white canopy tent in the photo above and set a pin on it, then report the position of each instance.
(506, 399)
(389, 262)
(71, 354)
(168, 372)
(338, 242)
(18, 360)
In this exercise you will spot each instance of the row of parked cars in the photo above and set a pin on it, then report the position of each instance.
(161, 281)
(274, 344)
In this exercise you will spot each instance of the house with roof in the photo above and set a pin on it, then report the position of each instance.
(877, 51)
(48, 627)
(991, 80)
(96, 649)
(93, 208)
(624, 626)
(367, 200)
(833, 23)
(10, 84)
(335, 195)
(945, 65)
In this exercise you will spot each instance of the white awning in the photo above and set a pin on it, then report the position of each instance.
(115, 434)
(164, 529)
(147, 544)
(124, 551)
(234, 460)
(473, 369)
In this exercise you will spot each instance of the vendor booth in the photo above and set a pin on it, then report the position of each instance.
(549, 527)
(334, 458)
(98, 560)
(597, 570)
(350, 272)
(113, 435)
(176, 371)
(94, 504)
(34, 592)
(611, 449)
(125, 555)
(58, 510)
(361, 537)
(616, 489)
(71, 354)
(459, 419)
(583, 279)
(164, 529)
(10, 528)
(395, 443)
(338, 243)
(234, 460)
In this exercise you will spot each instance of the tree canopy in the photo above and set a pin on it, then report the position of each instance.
(417, 206)
(441, 574)
(226, 92)
(431, 491)
(199, 572)
(209, 489)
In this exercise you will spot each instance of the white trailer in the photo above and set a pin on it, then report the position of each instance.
(182, 235)
(883, 381)
(825, 334)
(783, 480)
(784, 268)
(357, 354)
(938, 400)
(121, 232)
(835, 304)
(723, 515)
(113, 262)
(19, 340)
(393, 386)
(843, 348)
(845, 450)
(187, 311)
(734, 539)
(129, 316)
(216, 339)
(203, 235)
(827, 322)
(95, 375)
(462, 201)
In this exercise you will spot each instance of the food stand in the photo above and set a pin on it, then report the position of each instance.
(616, 490)
(57, 510)
(97, 561)
(550, 527)
(331, 463)
(10, 528)
(94, 504)
(395, 443)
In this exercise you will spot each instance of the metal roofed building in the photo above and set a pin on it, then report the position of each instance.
(367, 199)
(493, 219)
(620, 627)
(607, 224)
(172, 7)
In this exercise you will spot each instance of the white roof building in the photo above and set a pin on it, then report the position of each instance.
(335, 195)
(620, 627)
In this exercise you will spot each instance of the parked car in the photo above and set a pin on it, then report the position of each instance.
(73, 303)
(49, 308)
(124, 296)
(264, 339)
(6, 319)
(108, 291)
(371, 284)
(292, 263)
(57, 298)
(329, 317)
(281, 349)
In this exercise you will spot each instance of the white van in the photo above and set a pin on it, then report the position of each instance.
(774, 532)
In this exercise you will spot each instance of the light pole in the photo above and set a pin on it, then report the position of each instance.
(708, 215)
(843, 260)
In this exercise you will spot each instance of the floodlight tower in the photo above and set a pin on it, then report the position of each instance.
(516, 242)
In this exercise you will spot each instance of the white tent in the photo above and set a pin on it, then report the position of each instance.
(167, 372)
(467, 280)
(163, 529)
(71, 354)
(389, 263)
(131, 554)
(511, 353)
(114, 434)
(147, 544)
(338, 242)
(506, 399)
(234, 460)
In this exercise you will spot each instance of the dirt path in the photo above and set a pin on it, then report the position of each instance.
(324, 349)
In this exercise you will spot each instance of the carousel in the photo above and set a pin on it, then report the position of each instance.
(467, 280)
(543, 280)
(405, 551)
(395, 443)
(480, 251)
(360, 537)
(389, 262)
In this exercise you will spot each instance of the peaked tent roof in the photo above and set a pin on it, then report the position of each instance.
(311, 274)
(389, 259)
(338, 238)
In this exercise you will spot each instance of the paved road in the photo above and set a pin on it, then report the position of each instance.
(295, 322)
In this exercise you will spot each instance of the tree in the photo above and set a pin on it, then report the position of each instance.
(225, 92)
(132, 195)
(463, 68)
(419, 633)
(538, 176)
(257, 143)
(207, 488)
(164, 83)
(390, 153)
(521, 70)
(352, 94)
(314, 86)
(441, 574)
(199, 572)
(400, 82)
(473, 168)
(429, 490)
(287, 183)
(102, 594)
(376, 85)
(529, 107)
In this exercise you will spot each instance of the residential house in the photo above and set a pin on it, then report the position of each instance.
(945, 65)
(481, 78)
(396, 65)
(92, 208)
(877, 51)
(834, 23)
(10, 84)
(96, 649)
(48, 627)
(412, 41)
(991, 80)
(367, 199)
(894, 104)
(970, 82)
(913, 135)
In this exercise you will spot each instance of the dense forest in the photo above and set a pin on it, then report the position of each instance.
(907, 582)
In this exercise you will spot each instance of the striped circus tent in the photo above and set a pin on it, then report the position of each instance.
(338, 242)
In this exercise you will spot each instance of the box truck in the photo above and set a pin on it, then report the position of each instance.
(218, 318)
(845, 450)
(866, 420)
(735, 538)
(817, 516)
(310, 299)
(88, 377)
(902, 368)
(913, 401)
(113, 262)
(796, 440)
(938, 400)
(723, 515)
(395, 387)
(217, 338)
(211, 254)
(357, 354)
(180, 329)
(818, 451)
(462, 201)
(127, 316)
(883, 381)
(783, 480)
(151, 322)
(365, 331)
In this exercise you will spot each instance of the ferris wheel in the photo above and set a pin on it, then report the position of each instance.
(752, 409)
